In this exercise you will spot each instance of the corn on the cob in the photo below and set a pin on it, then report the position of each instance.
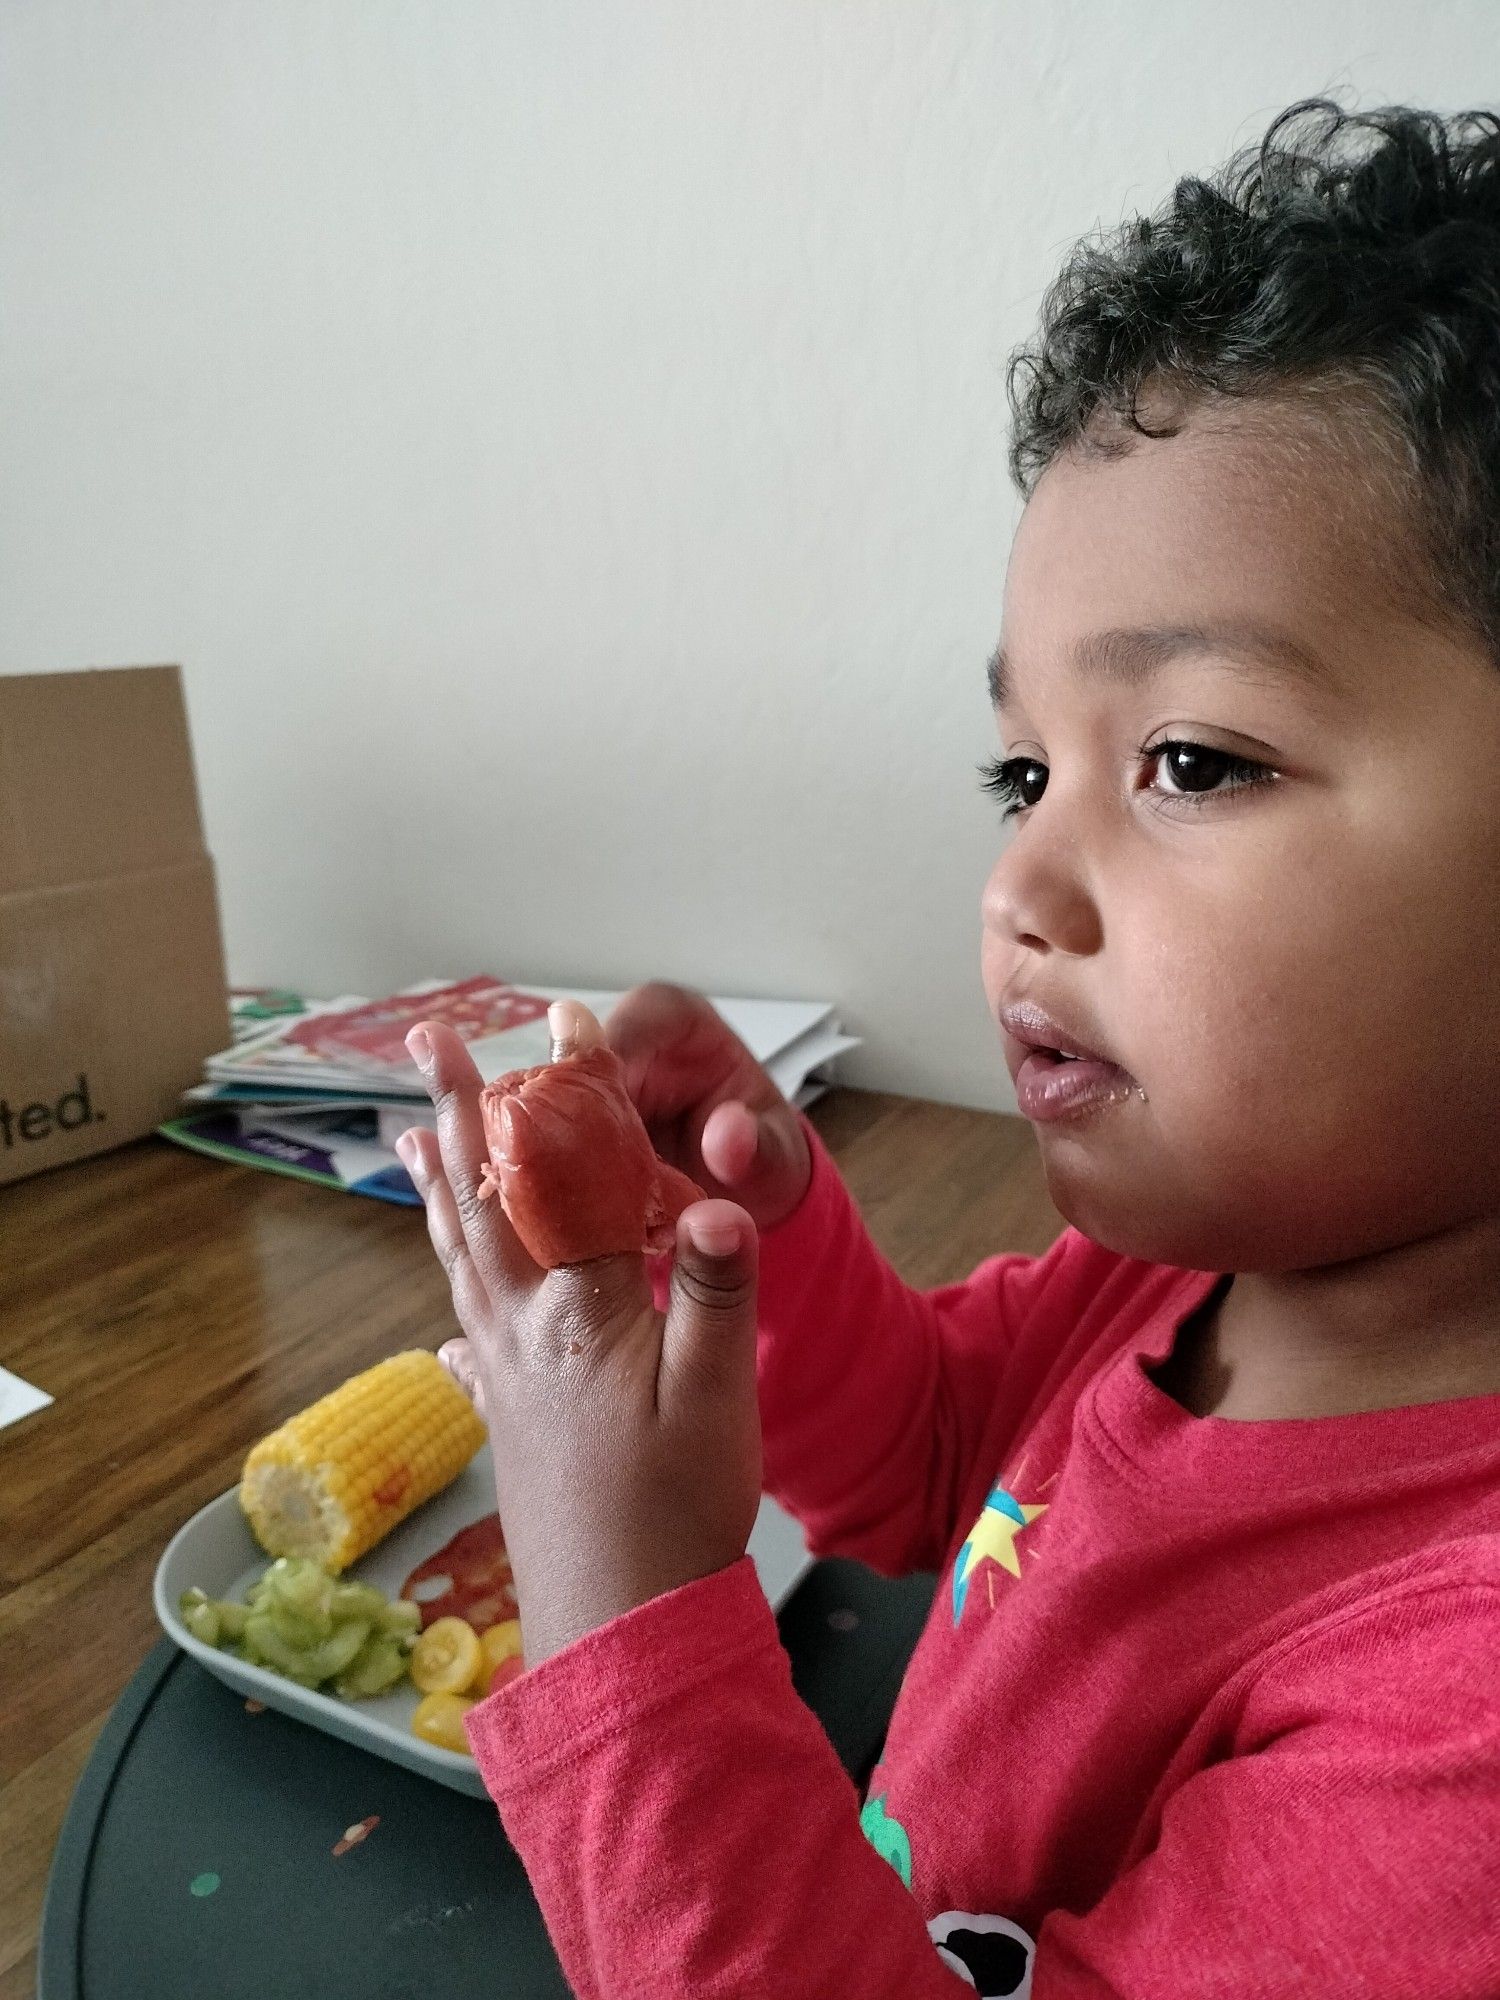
(338, 1476)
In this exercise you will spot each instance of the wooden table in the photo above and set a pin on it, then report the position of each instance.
(177, 1308)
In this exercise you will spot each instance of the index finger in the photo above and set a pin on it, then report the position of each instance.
(454, 1084)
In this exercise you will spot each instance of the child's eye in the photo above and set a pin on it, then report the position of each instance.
(1194, 770)
(1016, 781)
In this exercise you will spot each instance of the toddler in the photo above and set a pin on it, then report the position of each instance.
(1206, 1704)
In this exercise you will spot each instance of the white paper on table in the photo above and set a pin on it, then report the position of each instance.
(790, 1070)
(19, 1399)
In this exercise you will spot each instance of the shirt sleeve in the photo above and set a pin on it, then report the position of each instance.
(874, 1396)
(1344, 1844)
(687, 1828)
(684, 1821)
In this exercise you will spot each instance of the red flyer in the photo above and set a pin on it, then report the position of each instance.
(376, 1032)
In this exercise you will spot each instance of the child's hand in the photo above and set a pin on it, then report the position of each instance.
(712, 1111)
(626, 1444)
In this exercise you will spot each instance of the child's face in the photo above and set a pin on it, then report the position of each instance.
(1300, 975)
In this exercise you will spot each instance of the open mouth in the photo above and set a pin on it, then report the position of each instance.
(1054, 1083)
(1062, 1056)
(1055, 1079)
(1041, 1057)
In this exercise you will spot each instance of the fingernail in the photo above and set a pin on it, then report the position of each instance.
(714, 1239)
(560, 1027)
(406, 1150)
(421, 1047)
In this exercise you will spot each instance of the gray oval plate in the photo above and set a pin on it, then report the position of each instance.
(216, 1551)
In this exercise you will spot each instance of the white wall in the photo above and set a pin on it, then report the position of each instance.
(563, 442)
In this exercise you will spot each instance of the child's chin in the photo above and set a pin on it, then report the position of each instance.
(1125, 1219)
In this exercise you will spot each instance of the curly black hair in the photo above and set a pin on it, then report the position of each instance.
(1357, 253)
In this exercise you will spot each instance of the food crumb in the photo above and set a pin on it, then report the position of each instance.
(353, 1835)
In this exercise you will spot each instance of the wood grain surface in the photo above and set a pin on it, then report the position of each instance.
(177, 1308)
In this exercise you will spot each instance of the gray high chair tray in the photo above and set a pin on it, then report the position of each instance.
(214, 1854)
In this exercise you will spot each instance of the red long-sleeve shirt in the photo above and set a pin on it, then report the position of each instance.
(1203, 1708)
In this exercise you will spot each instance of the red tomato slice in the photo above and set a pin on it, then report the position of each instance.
(507, 1671)
(468, 1577)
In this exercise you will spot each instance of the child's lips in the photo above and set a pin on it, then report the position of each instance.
(1056, 1073)
(1050, 1086)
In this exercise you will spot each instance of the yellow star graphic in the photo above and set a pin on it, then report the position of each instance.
(993, 1535)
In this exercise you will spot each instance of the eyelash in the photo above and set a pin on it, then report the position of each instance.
(1001, 776)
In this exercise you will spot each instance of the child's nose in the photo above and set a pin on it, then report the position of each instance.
(1039, 895)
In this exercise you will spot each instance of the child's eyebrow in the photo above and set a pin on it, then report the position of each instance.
(1131, 654)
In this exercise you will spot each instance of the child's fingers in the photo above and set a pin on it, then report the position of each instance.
(423, 1161)
(457, 1356)
(758, 1154)
(730, 1142)
(454, 1085)
(573, 1028)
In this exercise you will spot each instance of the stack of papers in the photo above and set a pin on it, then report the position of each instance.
(321, 1089)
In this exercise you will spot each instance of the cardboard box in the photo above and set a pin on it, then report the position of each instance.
(112, 981)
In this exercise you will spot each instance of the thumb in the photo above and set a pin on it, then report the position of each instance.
(457, 1356)
(708, 1338)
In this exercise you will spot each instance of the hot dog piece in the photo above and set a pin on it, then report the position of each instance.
(573, 1164)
